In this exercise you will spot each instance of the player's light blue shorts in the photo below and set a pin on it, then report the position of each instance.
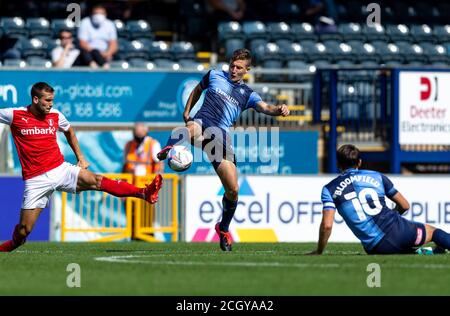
(403, 238)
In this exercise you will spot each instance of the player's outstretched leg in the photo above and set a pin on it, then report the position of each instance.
(180, 135)
(228, 175)
(21, 231)
(439, 237)
(90, 181)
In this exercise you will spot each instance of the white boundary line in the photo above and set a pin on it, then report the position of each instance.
(137, 259)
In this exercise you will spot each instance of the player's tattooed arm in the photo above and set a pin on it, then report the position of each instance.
(73, 143)
(273, 110)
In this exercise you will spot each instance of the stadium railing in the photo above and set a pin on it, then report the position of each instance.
(102, 217)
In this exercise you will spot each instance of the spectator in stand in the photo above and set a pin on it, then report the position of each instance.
(98, 39)
(66, 54)
(227, 10)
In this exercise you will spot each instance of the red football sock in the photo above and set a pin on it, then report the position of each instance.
(120, 188)
(17, 241)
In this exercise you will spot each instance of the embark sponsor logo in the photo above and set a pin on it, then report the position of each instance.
(38, 131)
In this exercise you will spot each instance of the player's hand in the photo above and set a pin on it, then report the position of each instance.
(283, 110)
(83, 164)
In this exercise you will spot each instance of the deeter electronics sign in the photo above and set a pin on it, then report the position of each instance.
(424, 108)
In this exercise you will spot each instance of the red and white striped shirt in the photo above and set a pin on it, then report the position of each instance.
(35, 139)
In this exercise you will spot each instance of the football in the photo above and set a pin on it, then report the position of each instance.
(180, 158)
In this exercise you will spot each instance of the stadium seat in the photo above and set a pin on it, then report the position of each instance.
(38, 27)
(231, 37)
(422, 33)
(39, 62)
(121, 28)
(138, 29)
(190, 64)
(279, 31)
(159, 50)
(412, 53)
(398, 33)
(227, 30)
(351, 31)
(139, 63)
(58, 24)
(119, 64)
(303, 31)
(166, 64)
(182, 50)
(33, 47)
(389, 53)
(255, 34)
(137, 49)
(437, 54)
(14, 63)
(442, 32)
(375, 33)
(13, 26)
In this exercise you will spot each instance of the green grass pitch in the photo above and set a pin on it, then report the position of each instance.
(139, 268)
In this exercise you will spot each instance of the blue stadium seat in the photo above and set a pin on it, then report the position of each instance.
(231, 37)
(442, 32)
(398, 33)
(232, 29)
(422, 33)
(191, 64)
(390, 53)
(159, 50)
(303, 31)
(351, 31)
(38, 27)
(139, 28)
(39, 62)
(255, 34)
(119, 64)
(375, 33)
(279, 31)
(137, 49)
(413, 53)
(121, 28)
(365, 52)
(20, 63)
(34, 47)
(13, 26)
(437, 54)
(59, 24)
(166, 64)
(139, 63)
(182, 50)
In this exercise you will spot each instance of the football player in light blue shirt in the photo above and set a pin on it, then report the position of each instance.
(360, 198)
(226, 97)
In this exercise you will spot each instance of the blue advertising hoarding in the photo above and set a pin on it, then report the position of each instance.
(106, 97)
(11, 196)
(289, 152)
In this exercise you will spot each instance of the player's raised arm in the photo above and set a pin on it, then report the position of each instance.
(273, 110)
(73, 143)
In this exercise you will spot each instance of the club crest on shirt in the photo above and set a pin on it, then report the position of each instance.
(50, 122)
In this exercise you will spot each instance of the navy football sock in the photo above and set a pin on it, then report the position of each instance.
(229, 207)
(441, 238)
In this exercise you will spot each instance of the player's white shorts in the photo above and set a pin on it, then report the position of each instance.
(39, 189)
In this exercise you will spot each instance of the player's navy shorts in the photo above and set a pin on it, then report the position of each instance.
(217, 144)
(404, 237)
